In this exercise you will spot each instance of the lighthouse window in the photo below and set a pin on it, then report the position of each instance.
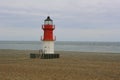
(48, 22)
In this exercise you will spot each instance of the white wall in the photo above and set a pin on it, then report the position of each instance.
(48, 47)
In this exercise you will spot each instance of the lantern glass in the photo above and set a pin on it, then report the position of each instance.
(48, 22)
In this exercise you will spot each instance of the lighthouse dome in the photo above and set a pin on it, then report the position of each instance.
(48, 21)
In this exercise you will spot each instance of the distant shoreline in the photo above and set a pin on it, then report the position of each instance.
(62, 51)
(107, 47)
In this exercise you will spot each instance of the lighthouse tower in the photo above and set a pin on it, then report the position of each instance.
(48, 39)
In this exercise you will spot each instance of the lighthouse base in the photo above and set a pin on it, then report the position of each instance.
(49, 56)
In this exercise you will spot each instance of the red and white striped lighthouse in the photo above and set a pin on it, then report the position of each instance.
(48, 38)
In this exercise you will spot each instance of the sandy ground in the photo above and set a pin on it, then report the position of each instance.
(16, 65)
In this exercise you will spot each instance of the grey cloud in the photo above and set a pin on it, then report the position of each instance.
(80, 14)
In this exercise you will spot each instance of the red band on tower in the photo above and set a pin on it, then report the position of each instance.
(48, 28)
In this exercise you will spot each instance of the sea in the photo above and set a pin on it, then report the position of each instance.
(112, 47)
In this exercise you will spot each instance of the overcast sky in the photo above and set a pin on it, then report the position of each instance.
(75, 20)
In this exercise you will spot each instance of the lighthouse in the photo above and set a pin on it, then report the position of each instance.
(48, 39)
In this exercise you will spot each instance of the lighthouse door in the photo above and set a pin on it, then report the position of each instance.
(45, 49)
